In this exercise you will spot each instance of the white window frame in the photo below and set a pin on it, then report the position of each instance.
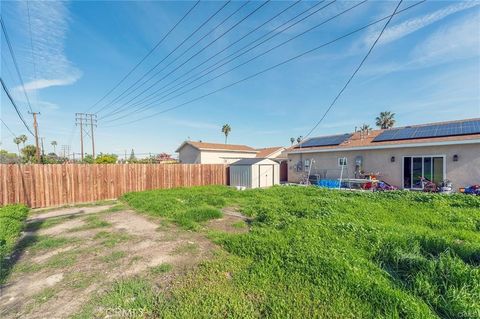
(340, 159)
(423, 173)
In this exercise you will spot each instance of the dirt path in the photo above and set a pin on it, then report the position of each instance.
(69, 255)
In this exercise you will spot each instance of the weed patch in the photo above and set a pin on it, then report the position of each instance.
(313, 252)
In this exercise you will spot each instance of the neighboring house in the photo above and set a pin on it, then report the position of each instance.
(272, 152)
(401, 156)
(213, 153)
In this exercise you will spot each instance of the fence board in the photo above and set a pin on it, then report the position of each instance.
(39, 185)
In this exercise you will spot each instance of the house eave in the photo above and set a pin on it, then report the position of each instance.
(379, 147)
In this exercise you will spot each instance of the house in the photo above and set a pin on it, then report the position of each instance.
(400, 156)
(255, 172)
(216, 153)
(213, 153)
(272, 152)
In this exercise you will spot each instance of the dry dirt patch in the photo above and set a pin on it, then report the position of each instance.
(67, 264)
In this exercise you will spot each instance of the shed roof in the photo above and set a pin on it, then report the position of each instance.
(252, 161)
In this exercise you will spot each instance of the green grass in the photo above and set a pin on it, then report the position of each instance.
(320, 253)
(240, 224)
(109, 239)
(113, 257)
(12, 222)
(185, 249)
(91, 222)
(161, 269)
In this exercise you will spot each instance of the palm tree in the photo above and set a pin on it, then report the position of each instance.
(23, 138)
(299, 139)
(292, 140)
(365, 128)
(226, 129)
(17, 141)
(54, 144)
(385, 120)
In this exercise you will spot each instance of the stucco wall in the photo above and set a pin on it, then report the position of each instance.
(189, 155)
(464, 172)
(216, 157)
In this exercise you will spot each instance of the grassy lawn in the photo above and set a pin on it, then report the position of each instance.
(12, 222)
(318, 253)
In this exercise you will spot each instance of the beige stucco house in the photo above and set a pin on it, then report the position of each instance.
(212, 153)
(398, 161)
(191, 152)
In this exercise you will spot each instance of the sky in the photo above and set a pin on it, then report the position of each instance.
(425, 68)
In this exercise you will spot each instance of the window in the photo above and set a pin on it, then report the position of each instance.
(342, 161)
(417, 168)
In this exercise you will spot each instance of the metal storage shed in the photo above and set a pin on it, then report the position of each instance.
(254, 172)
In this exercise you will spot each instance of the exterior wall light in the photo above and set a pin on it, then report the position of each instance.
(455, 158)
(392, 159)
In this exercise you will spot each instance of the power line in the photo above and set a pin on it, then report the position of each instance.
(267, 69)
(156, 65)
(198, 52)
(31, 48)
(190, 47)
(11, 132)
(15, 106)
(7, 39)
(151, 103)
(356, 71)
(121, 109)
(146, 56)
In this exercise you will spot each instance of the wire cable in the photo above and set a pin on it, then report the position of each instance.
(190, 47)
(156, 65)
(267, 69)
(201, 50)
(15, 106)
(355, 72)
(10, 48)
(11, 132)
(145, 57)
(151, 103)
(32, 50)
(122, 109)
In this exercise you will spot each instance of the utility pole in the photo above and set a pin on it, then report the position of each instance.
(35, 126)
(93, 122)
(86, 119)
(43, 150)
(79, 121)
(65, 150)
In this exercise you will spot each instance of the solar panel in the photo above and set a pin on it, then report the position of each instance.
(324, 141)
(434, 130)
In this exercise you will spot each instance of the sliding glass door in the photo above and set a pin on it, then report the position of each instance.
(417, 168)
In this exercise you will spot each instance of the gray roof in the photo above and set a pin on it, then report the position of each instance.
(251, 161)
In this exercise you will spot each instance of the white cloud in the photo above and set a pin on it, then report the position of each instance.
(407, 27)
(49, 26)
(457, 41)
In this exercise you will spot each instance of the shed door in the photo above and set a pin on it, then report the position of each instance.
(266, 173)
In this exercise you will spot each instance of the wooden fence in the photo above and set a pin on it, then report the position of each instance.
(59, 184)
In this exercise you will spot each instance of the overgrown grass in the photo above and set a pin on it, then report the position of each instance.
(12, 222)
(320, 253)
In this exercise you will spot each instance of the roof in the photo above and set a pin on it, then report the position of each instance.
(359, 140)
(267, 151)
(252, 161)
(218, 147)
